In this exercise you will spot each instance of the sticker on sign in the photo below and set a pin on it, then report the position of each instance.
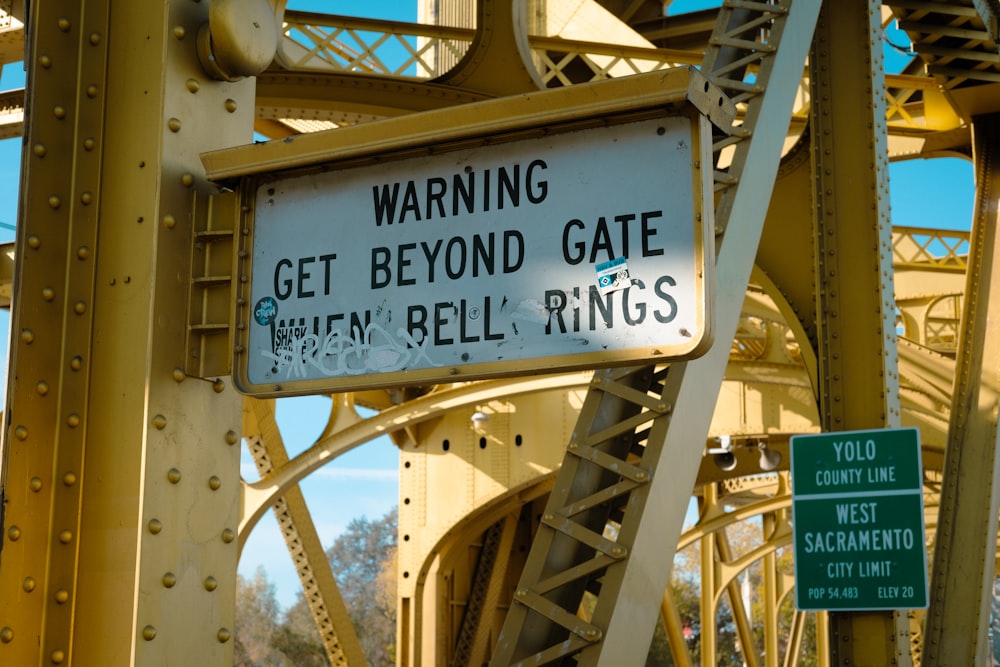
(577, 249)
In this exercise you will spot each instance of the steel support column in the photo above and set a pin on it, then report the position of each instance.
(858, 378)
(122, 473)
(636, 566)
(958, 618)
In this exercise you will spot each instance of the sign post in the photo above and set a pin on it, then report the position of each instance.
(557, 240)
(858, 521)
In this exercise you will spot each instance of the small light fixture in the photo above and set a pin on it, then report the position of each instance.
(723, 455)
(479, 418)
(770, 459)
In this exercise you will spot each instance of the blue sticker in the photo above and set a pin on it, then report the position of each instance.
(612, 275)
(265, 311)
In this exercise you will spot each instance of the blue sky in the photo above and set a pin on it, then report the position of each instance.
(364, 482)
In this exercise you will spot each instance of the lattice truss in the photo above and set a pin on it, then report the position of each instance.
(590, 521)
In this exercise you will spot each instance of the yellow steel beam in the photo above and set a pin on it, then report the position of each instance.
(121, 472)
(498, 61)
(257, 497)
(859, 380)
(965, 549)
(541, 627)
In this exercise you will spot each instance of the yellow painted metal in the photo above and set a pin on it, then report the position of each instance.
(130, 456)
(921, 119)
(516, 115)
(124, 475)
(674, 629)
(209, 335)
(460, 470)
(859, 380)
(498, 60)
(965, 546)
(44, 450)
(541, 628)
(259, 496)
(488, 580)
(320, 589)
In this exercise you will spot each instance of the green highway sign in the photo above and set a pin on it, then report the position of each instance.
(858, 520)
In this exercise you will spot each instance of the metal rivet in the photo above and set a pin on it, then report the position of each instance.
(169, 222)
(59, 111)
(79, 307)
(218, 386)
(214, 482)
(174, 475)
(155, 526)
(548, 517)
(69, 479)
(14, 533)
(63, 23)
(35, 484)
(45, 62)
(62, 596)
(73, 420)
(193, 85)
(178, 375)
(169, 580)
(232, 437)
(86, 198)
(6, 635)
(228, 535)
(65, 536)
(21, 433)
(83, 252)
(95, 38)
(54, 202)
(149, 633)
(42, 387)
(76, 363)
(230, 105)
(210, 584)
(91, 90)
(174, 124)
(187, 180)
(34, 242)
(28, 336)
(179, 32)
(39, 150)
(28, 584)
(223, 635)
(48, 293)
(89, 144)
(57, 657)
(160, 422)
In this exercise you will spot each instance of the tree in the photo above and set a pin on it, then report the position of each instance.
(358, 558)
(363, 560)
(256, 623)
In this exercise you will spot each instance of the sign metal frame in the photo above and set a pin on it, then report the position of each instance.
(543, 120)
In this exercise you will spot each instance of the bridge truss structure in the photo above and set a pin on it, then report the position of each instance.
(545, 530)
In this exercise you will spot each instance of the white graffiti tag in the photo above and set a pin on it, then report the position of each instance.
(372, 350)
